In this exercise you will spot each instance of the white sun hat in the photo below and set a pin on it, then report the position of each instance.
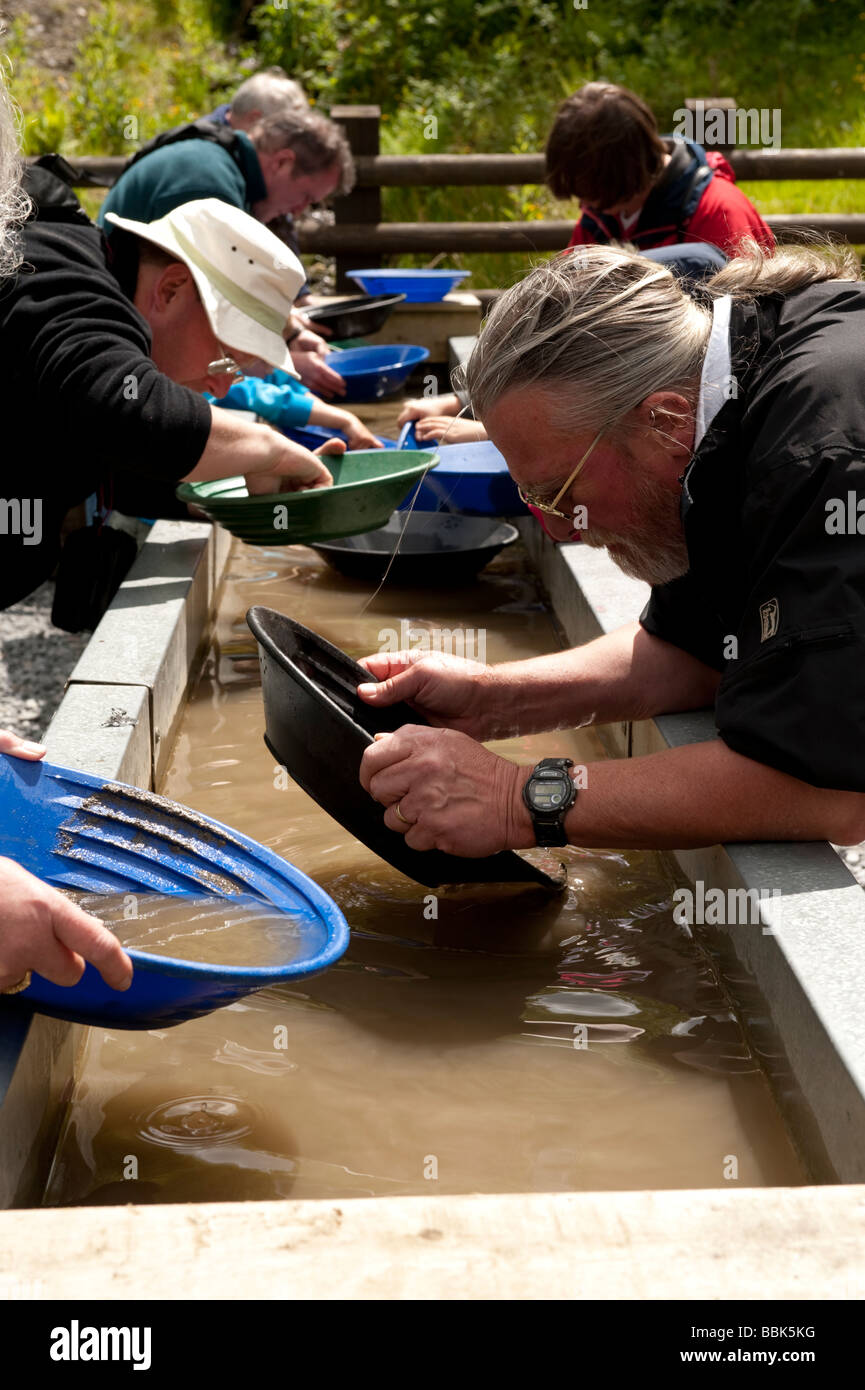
(247, 278)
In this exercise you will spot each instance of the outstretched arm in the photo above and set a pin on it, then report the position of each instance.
(627, 674)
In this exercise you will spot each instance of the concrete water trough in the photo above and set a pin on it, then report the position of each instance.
(794, 976)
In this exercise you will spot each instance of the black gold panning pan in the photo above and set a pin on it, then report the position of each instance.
(421, 549)
(355, 317)
(317, 727)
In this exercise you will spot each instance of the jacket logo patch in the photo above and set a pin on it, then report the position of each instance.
(770, 618)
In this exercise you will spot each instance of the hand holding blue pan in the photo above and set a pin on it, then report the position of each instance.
(79, 832)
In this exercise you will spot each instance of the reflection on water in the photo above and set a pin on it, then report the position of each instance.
(479, 1039)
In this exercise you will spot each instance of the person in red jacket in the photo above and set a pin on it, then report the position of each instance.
(637, 186)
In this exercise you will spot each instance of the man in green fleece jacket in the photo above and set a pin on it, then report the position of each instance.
(281, 165)
(286, 162)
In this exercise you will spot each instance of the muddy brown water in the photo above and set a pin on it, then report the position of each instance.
(239, 931)
(475, 1041)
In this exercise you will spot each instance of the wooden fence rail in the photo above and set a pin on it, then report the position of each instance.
(480, 170)
(360, 233)
(392, 238)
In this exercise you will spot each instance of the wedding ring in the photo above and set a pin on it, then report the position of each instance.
(401, 816)
(23, 983)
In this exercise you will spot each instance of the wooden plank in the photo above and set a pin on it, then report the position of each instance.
(799, 164)
(709, 105)
(553, 235)
(478, 170)
(753, 1243)
(433, 237)
(431, 325)
(458, 170)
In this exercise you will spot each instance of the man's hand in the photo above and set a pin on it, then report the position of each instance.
(43, 931)
(269, 462)
(312, 327)
(452, 793)
(302, 320)
(316, 374)
(447, 690)
(308, 341)
(305, 472)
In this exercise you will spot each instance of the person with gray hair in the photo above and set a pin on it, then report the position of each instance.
(715, 447)
(14, 204)
(266, 93)
(288, 160)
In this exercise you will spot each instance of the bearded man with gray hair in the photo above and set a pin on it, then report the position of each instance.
(713, 446)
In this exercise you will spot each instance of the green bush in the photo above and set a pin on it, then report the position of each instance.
(459, 76)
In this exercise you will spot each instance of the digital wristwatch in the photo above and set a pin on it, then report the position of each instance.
(549, 794)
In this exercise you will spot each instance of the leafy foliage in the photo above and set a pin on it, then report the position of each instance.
(460, 75)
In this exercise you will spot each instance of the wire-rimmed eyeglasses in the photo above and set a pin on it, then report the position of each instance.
(551, 508)
(225, 365)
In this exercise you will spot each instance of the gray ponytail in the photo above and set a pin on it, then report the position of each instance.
(755, 272)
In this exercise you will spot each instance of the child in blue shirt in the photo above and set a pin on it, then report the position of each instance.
(284, 401)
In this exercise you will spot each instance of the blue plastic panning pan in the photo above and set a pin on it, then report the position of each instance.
(470, 478)
(418, 286)
(372, 373)
(77, 831)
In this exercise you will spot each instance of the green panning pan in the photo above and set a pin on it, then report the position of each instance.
(367, 487)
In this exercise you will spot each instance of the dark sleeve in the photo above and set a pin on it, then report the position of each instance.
(66, 326)
(794, 698)
(677, 613)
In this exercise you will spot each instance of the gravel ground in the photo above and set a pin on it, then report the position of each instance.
(53, 28)
(36, 659)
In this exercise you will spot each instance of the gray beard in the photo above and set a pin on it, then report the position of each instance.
(654, 550)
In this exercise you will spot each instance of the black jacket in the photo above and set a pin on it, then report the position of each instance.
(775, 598)
(82, 401)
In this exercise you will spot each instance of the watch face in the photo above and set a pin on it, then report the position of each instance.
(549, 793)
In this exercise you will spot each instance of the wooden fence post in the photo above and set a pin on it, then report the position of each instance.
(363, 204)
(709, 106)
